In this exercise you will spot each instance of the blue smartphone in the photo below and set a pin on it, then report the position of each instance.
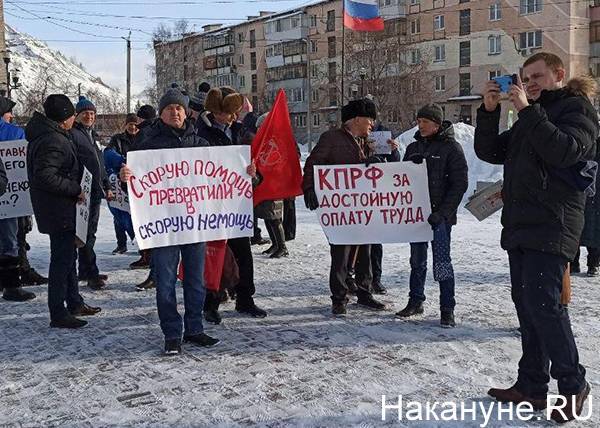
(505, 81)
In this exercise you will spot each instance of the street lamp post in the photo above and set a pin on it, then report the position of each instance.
(362, 73)
(15, 78)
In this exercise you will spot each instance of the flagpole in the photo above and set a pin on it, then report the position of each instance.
(343, 47)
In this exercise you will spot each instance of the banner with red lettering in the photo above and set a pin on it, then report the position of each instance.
(16, 202)
(381, 203)
(184, 196)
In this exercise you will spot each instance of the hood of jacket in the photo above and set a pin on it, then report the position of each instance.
(582, 86)
(40, 126)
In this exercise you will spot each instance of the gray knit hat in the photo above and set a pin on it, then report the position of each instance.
(173, 96)
(432, 112)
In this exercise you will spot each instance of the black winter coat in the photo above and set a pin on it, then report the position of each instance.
(591, 229)
(54, 175)
(541, 211)
(161, 136)
(207, 130)
(90, 156)
(3, 179)
(447, 170)
(121, 143)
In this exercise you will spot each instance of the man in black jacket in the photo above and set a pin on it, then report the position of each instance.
(3, 179)
(448, 181)
(174, 131)
(542, 218)
(90, 156)
(54, 176)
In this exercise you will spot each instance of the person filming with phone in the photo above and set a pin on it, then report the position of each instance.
(545, 155)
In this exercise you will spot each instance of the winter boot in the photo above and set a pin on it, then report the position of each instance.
(338, 308)
(121, 249)
(148, 284)
(201, 339)
(279, 236)
(447, 318)
(11, 281)
(250, 308)
(593, 261)
(273, 247)
(369, 302)
(32, 277)
(513, 395)
(211, 308)
(68, 322)
(378, 288)
(143, 262)
(575, 267)
(411, 309)
(573, 406)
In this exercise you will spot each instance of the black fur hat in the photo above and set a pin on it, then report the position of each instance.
(359, 108)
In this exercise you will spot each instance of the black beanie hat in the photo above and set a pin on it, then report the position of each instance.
(359, 108)
(432, 112)
(6, 105)
(204, 87)
(58, 107)
(146, 112)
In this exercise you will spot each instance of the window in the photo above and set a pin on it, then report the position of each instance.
(252, 39)
(464, 84)
(240, 37)
(439, 53)
(415, 26)
(331, 47)
(438, 22)
(465, 54)
(296, 95)
(316, 119)
(530, 6)
(241, 60)
(254, 83)
(332, 72)
(332, 96)
(530, 39)
(415, 56)
(413, 2)
(440, 83)
(494, 73)
(300, 121)
(331, 20)
(313, 21)
(242, 81)
(465, 22)
(494, 46)
(314, 46)
(463, 1)
(465, 115)
(495, 12)
(252, 60)
(314, 70)
(314, 95)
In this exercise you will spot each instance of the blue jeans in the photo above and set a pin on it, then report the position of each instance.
(165, 261)
(442, 267)
(8, 237)
(62, 276)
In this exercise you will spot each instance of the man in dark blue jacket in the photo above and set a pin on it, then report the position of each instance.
(542, 219)
(54, 177)
(90, 156)
(174, 131)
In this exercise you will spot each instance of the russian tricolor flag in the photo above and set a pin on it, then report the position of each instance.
(362, 15)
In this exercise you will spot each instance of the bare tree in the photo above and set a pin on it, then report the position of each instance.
(162, 33)
(181, 27)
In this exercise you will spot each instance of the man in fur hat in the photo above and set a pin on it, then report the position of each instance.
(542, 219)
(343, 147)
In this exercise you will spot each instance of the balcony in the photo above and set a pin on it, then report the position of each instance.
(287, 27)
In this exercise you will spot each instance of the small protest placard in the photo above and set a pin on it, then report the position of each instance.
(381, 203)
(190, 195)
(82, 209)
(381, 138)
(121, 199)
(486, 200)
(16, 202)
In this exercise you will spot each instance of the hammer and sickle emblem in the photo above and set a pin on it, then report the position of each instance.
(270, 155)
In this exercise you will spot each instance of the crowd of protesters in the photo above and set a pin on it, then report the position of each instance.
(546, 217)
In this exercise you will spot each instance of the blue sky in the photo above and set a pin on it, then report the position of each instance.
(64, 25)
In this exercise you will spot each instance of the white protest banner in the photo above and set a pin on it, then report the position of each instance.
(184, 196)
(121, 199)
(381, 203)
(16, 202)
(381, 138)
(82, 214)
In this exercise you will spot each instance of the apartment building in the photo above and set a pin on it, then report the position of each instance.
(459, 44)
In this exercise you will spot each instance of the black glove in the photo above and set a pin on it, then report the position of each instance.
(310, 199)
(416, 158)
(435, 218)
(373, 159)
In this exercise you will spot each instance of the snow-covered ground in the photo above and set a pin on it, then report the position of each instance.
(297, 367)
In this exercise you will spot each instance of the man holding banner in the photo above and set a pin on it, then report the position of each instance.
(174, 131)
(54, 174)
(10, 279)
(342, 147)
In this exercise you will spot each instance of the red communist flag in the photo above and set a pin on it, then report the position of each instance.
(276, 155)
